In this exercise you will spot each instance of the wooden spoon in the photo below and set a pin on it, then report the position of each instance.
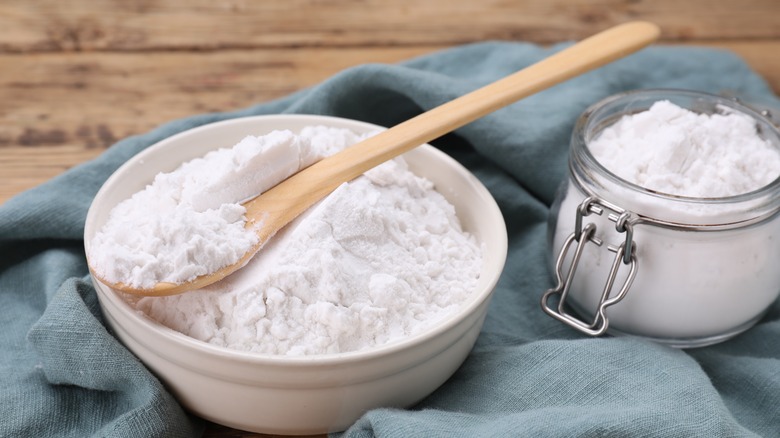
(279, 205)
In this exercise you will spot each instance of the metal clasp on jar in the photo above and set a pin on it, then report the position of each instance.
(625, 255)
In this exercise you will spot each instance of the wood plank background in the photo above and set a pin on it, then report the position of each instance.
(77, 75)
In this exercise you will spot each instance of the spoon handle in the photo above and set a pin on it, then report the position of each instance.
(314, 183)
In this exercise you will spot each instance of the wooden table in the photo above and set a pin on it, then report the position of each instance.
(76, 76)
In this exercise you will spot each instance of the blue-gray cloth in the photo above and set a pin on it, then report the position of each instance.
(63, 374)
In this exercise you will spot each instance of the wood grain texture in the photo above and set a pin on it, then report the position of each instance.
(142, 25)
(78, 75)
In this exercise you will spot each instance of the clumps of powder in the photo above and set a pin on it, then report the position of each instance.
(189, 222)
(381, 259)
(676, 151)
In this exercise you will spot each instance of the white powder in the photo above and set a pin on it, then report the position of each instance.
(382, 258)
(189, 222)
(691, 287)
(676, 151)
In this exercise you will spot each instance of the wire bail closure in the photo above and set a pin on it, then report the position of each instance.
(625, 254)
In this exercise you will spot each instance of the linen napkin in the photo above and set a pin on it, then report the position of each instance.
(62, 373)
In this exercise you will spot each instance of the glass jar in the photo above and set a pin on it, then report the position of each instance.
(679, 270)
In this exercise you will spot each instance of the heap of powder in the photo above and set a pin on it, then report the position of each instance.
(189, 222)
(675, 151)
(381, 259)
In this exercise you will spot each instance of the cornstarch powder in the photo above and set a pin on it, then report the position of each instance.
(673, 150)
(708, 269)
(381, 259)
(189, 222)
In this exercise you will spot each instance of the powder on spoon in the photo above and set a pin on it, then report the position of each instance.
(189, 222)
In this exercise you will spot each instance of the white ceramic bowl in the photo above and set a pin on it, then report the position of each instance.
(301, 395)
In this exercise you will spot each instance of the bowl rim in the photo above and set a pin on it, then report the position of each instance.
(320, 360)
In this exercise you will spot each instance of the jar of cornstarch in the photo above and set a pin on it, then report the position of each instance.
(667, 226)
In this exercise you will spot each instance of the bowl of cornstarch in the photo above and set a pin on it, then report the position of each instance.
(372, 298)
